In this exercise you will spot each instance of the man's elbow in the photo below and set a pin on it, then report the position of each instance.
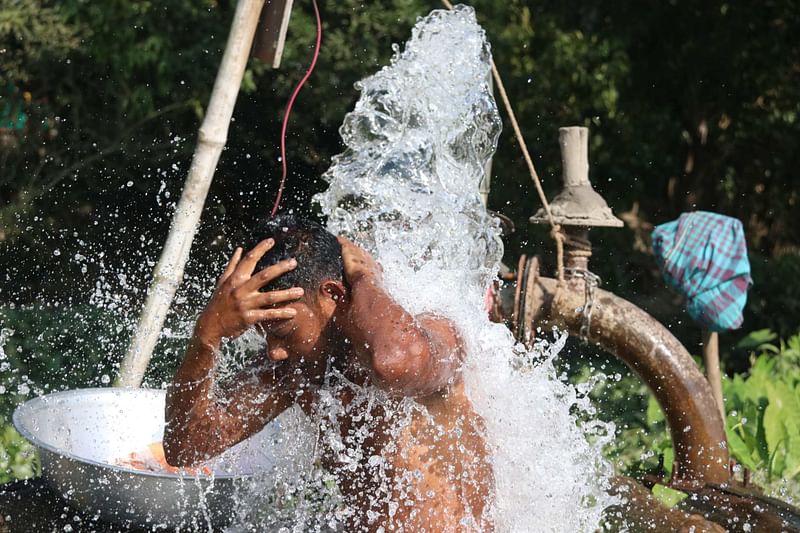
(403, 369)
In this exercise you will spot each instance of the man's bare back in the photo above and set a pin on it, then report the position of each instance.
(408, 456)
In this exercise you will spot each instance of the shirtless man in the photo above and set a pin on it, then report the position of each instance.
(323, 310)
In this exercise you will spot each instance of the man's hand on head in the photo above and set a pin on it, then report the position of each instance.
(358, 263)
(237, 302)
(408, 355)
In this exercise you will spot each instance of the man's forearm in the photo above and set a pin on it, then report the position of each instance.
(205, 418)
(195, 376)
(189, 393)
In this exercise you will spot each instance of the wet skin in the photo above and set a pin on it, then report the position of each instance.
(442, 479)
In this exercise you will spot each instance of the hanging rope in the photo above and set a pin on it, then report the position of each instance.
(289, 110)
(555, 228)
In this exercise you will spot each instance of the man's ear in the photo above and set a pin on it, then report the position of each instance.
(332, 290)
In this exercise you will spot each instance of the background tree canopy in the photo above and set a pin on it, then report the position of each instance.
(691, 105)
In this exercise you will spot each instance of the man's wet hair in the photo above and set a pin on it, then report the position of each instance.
(318, 253)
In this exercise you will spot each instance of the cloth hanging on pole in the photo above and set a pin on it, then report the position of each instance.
(703, 255)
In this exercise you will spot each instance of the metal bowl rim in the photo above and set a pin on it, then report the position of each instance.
(34, 402)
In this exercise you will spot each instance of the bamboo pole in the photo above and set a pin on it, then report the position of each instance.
(711, 362)
(211, 139)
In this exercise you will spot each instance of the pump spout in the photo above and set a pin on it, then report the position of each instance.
(660, 360)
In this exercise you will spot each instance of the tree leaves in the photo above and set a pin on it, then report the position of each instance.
(32, 31)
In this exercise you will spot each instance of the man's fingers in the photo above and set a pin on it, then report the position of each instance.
(350, 250)
(231, 266)
(279, 313)
(348, 247)
(251, 258)
(266, 299)
(270, 273)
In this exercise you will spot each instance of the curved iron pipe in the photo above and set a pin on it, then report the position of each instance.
(661, 361)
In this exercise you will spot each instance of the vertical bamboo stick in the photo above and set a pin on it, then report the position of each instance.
(211, 139)
(711, 362)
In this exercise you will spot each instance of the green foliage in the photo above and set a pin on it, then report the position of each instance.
(668, 134)
(763, 423)
(55, 348)
(111, 102)
(17, 456)
(642, 444)
(32, 31)
(45, 349)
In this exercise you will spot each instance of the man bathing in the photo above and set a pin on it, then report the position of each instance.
(320, 303)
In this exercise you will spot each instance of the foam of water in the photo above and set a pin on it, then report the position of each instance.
(406, 189)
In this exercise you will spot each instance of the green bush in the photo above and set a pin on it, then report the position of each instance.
(49, 348)
(17, 456)
(642, 443)
(763, 422)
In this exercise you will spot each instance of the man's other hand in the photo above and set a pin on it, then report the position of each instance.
(358, 263)
(237, 302)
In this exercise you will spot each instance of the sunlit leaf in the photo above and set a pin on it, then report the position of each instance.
(668, 497)
(654, 412)
(756, 339)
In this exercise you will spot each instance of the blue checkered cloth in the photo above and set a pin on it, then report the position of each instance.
(704, 256)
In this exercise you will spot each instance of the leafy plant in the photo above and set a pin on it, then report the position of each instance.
(17, 456)
(31, 30)
(763, 423)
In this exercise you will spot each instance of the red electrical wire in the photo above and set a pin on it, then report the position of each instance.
(289, 108)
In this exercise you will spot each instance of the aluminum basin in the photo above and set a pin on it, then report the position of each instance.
(80, 434)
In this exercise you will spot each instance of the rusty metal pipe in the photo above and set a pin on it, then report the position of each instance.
(660, 360)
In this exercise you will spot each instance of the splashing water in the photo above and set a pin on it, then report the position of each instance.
(407, 190)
